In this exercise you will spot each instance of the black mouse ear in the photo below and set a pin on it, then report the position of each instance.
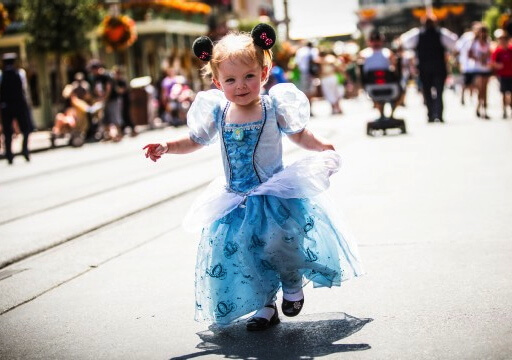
(264, 36)
(203, 48)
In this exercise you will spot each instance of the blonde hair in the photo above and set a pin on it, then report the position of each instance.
(239, 46)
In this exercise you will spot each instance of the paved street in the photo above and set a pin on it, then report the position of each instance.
(95, 265)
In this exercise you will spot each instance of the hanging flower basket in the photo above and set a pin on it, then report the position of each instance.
(118, 32)
(4, 18)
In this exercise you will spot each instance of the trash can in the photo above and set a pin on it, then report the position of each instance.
(142, 101)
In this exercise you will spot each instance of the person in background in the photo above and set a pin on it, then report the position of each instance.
(377, 57)
(101, 87)
(330, 67)
(431, 44)
(480, 55)
(306, 59)
(74, 115)
(277, 76)
(501, 62)
(123, 87)
(465, 65)
(165, 89)
(15, 105)
(113, 119)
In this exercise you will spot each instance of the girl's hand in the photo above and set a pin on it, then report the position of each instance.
(155, 151)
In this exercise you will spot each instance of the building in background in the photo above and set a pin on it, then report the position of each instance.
(165, 32)
(394, 17)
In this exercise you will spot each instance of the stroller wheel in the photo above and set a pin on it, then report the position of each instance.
(76, 140)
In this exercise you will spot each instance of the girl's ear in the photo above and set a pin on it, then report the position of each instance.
(264, 73)
(217, 83)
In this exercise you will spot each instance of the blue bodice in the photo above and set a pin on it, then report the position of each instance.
(240, 141)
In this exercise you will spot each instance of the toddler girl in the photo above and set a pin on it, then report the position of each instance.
(263, 229)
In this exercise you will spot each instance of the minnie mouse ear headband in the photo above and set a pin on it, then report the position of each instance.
(263, 35)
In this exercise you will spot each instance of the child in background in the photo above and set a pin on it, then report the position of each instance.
(264, 228)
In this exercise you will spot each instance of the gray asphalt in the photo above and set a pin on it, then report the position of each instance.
(95, 265)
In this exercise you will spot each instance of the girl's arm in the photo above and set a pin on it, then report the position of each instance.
(309, 141)
(184, 145)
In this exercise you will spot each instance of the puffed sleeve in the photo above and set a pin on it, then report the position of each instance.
(202, 116)
(292, 107)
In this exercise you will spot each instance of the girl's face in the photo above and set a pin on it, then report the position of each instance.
(240, 82)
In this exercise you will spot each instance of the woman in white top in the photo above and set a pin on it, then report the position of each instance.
(332, 90)
(480, 57)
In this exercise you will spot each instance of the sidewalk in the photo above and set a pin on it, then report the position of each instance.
(40, 140)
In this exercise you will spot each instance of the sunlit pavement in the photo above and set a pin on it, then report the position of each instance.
(107, 272)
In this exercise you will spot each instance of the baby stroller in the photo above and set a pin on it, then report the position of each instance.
(77, 118)
(383, 87)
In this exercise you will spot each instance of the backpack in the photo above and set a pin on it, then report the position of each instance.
(314, 68)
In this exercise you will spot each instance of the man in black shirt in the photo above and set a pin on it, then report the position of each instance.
(14, 105)
(431, 44)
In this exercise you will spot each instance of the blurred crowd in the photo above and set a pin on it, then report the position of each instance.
(429, 58)
(101, 104)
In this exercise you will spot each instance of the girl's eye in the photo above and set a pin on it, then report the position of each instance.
(229, 80)
(249, 76)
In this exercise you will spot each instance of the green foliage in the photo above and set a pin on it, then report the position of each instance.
(491, 17)
(503, 4)
(60, 25)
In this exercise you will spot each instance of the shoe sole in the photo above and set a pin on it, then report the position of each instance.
(270, 324)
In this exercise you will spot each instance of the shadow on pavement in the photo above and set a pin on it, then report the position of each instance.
(307, 337)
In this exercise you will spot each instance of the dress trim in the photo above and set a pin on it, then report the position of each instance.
(258, 141)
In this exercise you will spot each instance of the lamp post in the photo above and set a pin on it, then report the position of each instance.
(286, 20)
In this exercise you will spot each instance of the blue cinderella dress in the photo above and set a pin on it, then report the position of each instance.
(264, 226)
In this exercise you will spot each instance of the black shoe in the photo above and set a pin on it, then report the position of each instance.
(26, 155)
(259, 323)
(10, 159)
(292, 308)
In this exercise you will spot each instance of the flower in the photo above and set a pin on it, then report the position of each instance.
(118, 32)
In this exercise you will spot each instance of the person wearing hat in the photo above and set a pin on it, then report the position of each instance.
(501, 62)
(14, 104)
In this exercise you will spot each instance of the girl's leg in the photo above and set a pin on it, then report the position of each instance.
(293, 296)
(478, 86)
(504, 103)
(485, 80)
(508, 99)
